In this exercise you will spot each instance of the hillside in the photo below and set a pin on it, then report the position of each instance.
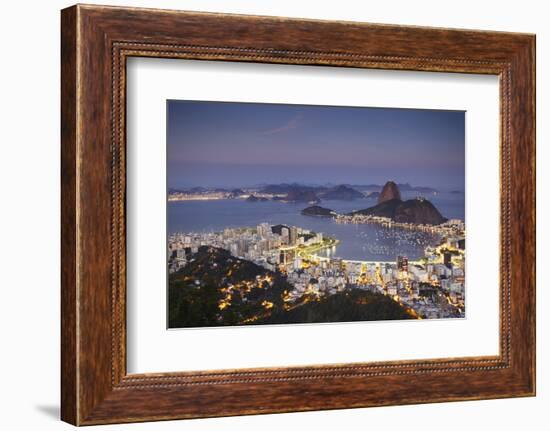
(417, 211)
(349, 306)
(218, 289)
(342, 192)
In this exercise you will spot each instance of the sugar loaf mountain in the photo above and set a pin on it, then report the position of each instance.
(390, 205)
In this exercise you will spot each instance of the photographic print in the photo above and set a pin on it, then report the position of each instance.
(289, 214)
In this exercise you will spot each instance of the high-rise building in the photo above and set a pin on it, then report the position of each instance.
(263, 229)
(293, 235)
(282, 257)
(402, 263)
(447, 259)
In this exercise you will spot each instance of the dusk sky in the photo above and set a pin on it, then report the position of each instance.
(222, 144)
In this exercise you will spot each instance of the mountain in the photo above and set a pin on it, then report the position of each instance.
(373, 195)
(389, 192)
(301, 196)
(294, 192)
(417, 211)
(341, 192)
(280, 189)
(317, 211)
(384, 209)
(390, 205)
(404, 187)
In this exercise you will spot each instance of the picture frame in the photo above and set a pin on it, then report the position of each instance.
(96, 42)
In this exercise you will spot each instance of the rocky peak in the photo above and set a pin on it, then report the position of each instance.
(389, 191)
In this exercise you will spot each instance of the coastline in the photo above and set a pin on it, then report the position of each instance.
(311, 254)
(432, 286)
(450, 227)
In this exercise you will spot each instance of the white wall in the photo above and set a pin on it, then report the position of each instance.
(29, 215)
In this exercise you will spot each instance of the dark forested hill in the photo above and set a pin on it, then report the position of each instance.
(218, 289)
(349, 306)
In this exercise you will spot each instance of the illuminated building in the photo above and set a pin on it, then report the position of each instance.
(402, 263)
(447, 259)
(293, 235)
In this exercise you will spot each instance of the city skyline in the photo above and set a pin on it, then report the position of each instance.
(250, 244)
(214, 144)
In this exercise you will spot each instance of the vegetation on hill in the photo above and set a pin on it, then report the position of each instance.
(218, 289)
(348, 306)
(318, 211)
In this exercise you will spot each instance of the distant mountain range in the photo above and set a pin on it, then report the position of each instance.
(300, 193)
(294, 192)
(404, 187)
(342, 192)
(284, 188)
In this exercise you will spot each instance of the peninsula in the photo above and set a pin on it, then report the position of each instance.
(418, 211)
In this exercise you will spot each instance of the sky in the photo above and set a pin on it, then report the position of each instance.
(228, 144)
